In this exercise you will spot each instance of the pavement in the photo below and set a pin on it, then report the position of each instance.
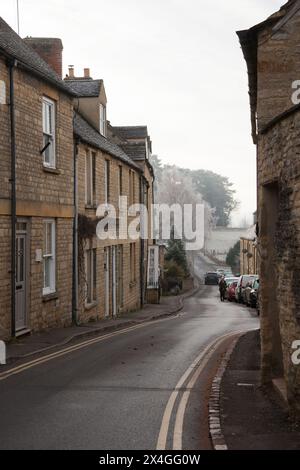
(29, 345)
(140, 387)
(252, 418)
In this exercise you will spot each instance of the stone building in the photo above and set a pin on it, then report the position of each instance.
(271, 50)
(248, 252)
(136, 142)
(109, 270)
(36, 190)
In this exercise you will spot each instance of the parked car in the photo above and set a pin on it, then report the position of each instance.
(230, 279)
(258, 301)
(254, 295)
(211, 279)
(230, 295)
(249, 293)
(242, 284)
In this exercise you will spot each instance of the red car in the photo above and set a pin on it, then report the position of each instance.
(231, 291)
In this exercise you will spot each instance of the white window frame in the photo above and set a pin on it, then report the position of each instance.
(106, 181)
(132, 261)
(131, 187)
(153, 267)
(148, 153)
(90, 174)
(91, 253)
(49, 255)
(49, 132)
(102, 119)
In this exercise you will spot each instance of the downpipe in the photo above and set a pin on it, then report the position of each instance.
(12, 64)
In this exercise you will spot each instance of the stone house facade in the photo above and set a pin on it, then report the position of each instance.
(271, 50)
(136, 142)
(36, 191)
(109, 270)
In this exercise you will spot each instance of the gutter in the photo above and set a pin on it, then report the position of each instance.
(11, 66)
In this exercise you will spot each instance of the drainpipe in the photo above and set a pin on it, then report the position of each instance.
(11, 66)
(75, 238)
(142, 242)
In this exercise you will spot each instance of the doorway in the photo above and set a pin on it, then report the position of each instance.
(22, 263)
(107, 280)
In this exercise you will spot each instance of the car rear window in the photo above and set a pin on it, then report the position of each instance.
(247, 279)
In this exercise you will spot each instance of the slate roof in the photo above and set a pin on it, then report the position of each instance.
(135, 151)
(12, 45)
(91, 136)
(85, 88)
(131, 132)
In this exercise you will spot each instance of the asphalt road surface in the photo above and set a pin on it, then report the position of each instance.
(127, 390)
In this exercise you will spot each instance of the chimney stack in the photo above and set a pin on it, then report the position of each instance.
(49, 49)
(86, 73)
(71, 71)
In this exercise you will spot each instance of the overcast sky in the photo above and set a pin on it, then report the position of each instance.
(174, 65)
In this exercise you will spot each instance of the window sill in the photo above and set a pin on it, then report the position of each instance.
(49, 297)
(90, 206)
(90, 306)
(53, 171)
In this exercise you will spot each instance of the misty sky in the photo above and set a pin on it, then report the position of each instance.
(174, 65)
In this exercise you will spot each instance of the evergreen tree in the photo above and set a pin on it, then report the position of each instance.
(233, 257)
(176, 253)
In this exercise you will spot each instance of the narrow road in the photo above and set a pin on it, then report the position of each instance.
(115, 393)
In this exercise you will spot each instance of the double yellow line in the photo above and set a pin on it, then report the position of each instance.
(76, 347)
(193, 373)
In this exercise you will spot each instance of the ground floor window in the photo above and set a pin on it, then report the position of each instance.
(49, 256)
(91, 275)
(132, 262)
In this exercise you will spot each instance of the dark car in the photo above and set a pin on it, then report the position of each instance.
(211, 279)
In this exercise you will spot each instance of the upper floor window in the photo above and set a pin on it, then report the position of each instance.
(102, 111)
(120, 181)
(90, 178)
(2, 92)
(49, 132)
(148, 150)
(131, 187)
(106, 181)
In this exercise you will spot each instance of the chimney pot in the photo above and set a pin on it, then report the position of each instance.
(86, 73)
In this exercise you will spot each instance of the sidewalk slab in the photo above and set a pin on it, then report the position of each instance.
(251, 417)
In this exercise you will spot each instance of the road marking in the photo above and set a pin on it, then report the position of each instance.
(76, 347)
(199, 364)
(178, 429)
